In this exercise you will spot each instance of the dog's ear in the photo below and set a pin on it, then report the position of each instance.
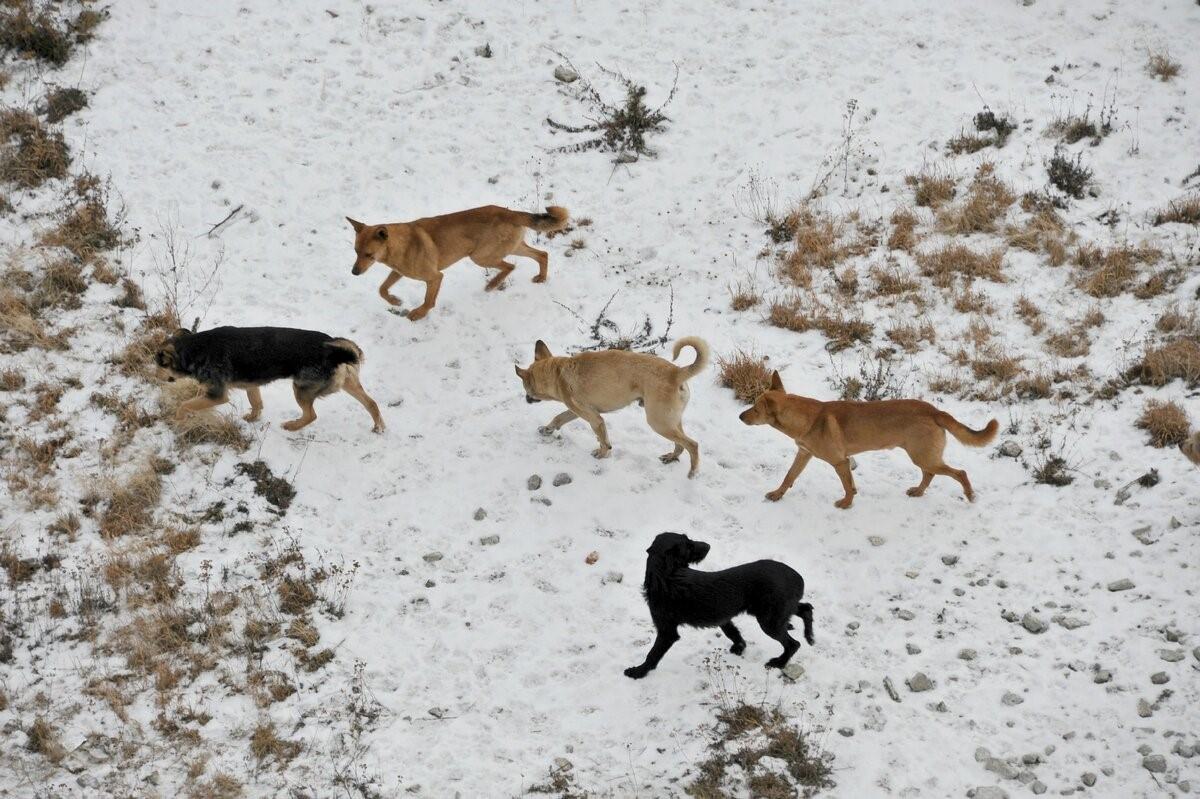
(165, 357)
(540, 350)
(521, 373)
(354, 223)
(381, 234)
(776, 381)
(181, 331)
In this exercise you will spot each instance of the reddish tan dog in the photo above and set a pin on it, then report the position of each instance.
(423, 248)
(833, 431)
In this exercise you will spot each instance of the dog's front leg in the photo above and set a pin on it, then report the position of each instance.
(803, 456)
(384, 288)
(663, 641)
(597, 422)
(557, 422)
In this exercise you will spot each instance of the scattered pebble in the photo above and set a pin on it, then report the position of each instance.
(1124, 584)
(1009, 615)
(542, 500)
(1171, 655)
(1102, 676)
(431, 557)
(1159, 677)
(430, 583)
(793, 671)
(564, 74)
(1143, 709)
(1000, 768)
(906, 615)
(981, 754)
(562, 479)
(967, 654)
(1010, 449)
(876, 540)
(534, 482)
(1070, 622)
(1031, 758)
(1088, 779)
(891, 689)
(489, 540)
(1038, 787)
(919, 683)
(912, 649)
(987, 792)
(592, 557)
(846, 732)
(949, 560)
(1011, 699)
(480, 514)
(1033, 623)
(438, 712)
(1155, 764)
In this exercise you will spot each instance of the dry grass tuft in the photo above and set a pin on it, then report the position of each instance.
(994, 363)
(84, 226)
(744, 295)
(909, 335)
(1166, 422)
(130, 506)
(892, 281)
(746, 373)
(1173, 360)
(931, 188)
(987, 201)
(42, 739)
(1160, 65)
(11, 380)
(30, 153)
(1030, 314)
(266, 744)
(1107, 273)
(948, 261)
(903, 235)
(1181, 211)
(800, 315)
(1043, 231)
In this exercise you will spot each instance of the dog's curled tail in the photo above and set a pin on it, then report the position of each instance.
(965, 435)
(343, 350)
(554, 219)
(698, 365)
(804, 611)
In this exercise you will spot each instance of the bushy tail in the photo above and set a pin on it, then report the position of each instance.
(701, 348)
(343, 350)
(804, 611)
(965, 435)
(554, 219)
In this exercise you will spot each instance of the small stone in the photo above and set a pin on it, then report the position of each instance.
(987, 792)
(1102, 676)
(846, 732)
(1172, 635)
(1174, 523)
(561, 479)
(1171, 655)
(1038, 787)
(960, 592)
(1002, 583)
(1144, 536)
(1184, 785)
(891, 689)
(1088, 779)
(939, 707)
(534, 482)
(1000, 768)
(1011, 699)
(1143, 709)
(967, 654)
(542, 501)
(1033, 623)
(1124, 584)
(1031, 758)
(564, 74)
(1196, 653)
(852, 625)
(1155, 764)
(480, 514)
(982, 754)
(1009, 616)
(949, 560)
(562, 764)
(919, 683)
(489, 540)
(1070, 622)
(793, 671)
(431, 557)
(1159, 677)
(1143, 750)
(430, 583)
(905, 615)
(876, 540)
(912, 649)
(1010, 449)
(591, 558)
(437, 712)
(612, 577)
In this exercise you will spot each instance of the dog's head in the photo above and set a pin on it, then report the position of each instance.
(673, 551)
(766, 408)
(166, 358)
(537, 379)
(370, 242)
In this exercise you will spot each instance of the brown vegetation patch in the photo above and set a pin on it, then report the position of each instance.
(1160, 65)
(130, 506)
(1166, 422)
(746, 373)
(956, 260)
(903, 235)
(30, 153)
(1107, 273)
(1178, 359)
(987, 201)
(1181, 211)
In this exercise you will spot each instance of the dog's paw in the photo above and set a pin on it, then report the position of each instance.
(416, 314)
(292, 426)
(670, 457)
(379, 428)
(915, 491)
(636, 672)
(539, 278)
(738, 649)
(776, 663)
(601, 452)
(251, 417)
(843, 503)
(547, 430)
(776, 495)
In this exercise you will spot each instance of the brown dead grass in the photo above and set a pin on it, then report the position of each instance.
(1178, 359)
(932, 188)
(265, 744)
(746, 373)
(744, 295)
(995, 363)
(949, 261)
(1030, 314)
(130, 506)
(910, 336)
(1042, 231)
(1160, 65)
(41, 738)
(1180, 211)
(30, 153)
(1166, 422)
(987, 201)
(11, 380)
(1108, 273)
(841, 326)
(903, 236)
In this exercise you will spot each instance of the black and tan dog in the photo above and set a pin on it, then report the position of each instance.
(595, 383)
(768, 590)
(250, 357)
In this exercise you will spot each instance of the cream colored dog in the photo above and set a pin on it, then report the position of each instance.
(594, 383)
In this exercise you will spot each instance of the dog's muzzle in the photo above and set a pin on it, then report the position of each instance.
(699, 551)
(531, 400)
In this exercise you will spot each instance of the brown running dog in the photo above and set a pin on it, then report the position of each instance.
(592, 383)
(833, 431)
(421, 249)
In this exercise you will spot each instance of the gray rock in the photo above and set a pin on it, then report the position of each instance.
(1143, 709)
(1001, 768)
(876, 540)
(489, 540)
(1174, 523)
(1009, 449)
(1155, 764)
(1124, 584)
(1031, 758)
(480, 514)
(534, 482)
(1088, 779)
(542, 501)
(967, 654)
(960, 592)
(1102, 676)
(1159, 678)
(1196, 653)
(562, 479)
(852, 625)
(1033, 624)
(1184, 785)
(846, 732)
(1009, 616)
(793, 671)
(438, 712)
(949, 560)
(912, 649)
(891, 689)
(1038, 787)
(431, 557)
(906, 615)
(1144, 535)
(987, 792)
(430, 584)
(919, 683)
(1171, 655)
(981, 754)
(1070, 622)
(939, 707)
(612, 577)
(1143, 750)
(564, 74)
(1011, 699)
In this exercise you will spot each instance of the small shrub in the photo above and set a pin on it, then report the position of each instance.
(986, 203)
(931, 188)
(265, 744)
(876, 380)
(948, 261)
(968, 143)
(42, 739)
(1160, 65)
(1053, 470)
(1166, 422)
(1180, 211)
(1002, 125)
(130, 506)
(909, 335)
(1069, 175)
(35, 31)
(1107, 273)
(275, 490)
(1172, 360)
(11, 380)
(746, 373)
(892, 281)
(30, 154)
(1030, 314)
(85, 227)
(995, 364)
(744, 295)
(61, 102)
(1043, 231)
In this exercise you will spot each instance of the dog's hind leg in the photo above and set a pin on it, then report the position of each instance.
(255, 396)
(843, 471)
(505, 270)
(557, 422)
(929, 459)
(305, 395)
(669, 427)
(735, 635)
(777, 628)
(662, 642)
(540, 256)
(354, 388)
(805, 612)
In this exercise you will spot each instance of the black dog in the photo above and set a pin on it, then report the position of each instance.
(250, 357)
(768, 590)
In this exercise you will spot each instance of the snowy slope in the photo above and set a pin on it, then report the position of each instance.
(304, 113)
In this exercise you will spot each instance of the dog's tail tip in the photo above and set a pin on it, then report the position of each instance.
(349, 347)
(553, 220)
(702, 354)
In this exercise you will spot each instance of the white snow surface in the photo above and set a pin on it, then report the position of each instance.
(307, 112)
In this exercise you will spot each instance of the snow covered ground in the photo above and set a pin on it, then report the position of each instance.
(303, 113)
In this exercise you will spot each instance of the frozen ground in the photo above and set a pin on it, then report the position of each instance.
(304, 113)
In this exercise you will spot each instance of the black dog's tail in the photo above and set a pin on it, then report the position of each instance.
(343, 350)
(804, 611)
